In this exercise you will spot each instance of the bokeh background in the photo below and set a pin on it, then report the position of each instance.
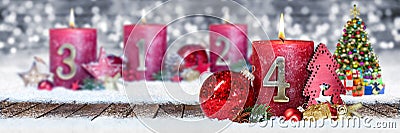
(24, 24)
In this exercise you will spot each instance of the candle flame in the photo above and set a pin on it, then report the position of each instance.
(281, 34)
(143, 16)
(226, 18)
(72, 18)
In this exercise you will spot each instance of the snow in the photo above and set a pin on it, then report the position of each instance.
(106, 124)
(146, 92)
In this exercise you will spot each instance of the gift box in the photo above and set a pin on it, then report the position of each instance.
(368, 90)
(358, 91)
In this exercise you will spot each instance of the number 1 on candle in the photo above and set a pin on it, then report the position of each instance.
(281, 81)
(140, 45)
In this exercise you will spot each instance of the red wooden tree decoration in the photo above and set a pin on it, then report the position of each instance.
(322, 67)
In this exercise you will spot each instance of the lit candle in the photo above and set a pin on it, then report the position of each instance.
(280, 71)
(228, 45)
(69, 49)
(144, 48)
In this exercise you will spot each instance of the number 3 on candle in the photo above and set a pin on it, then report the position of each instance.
(225, 50)
(281, 82)
(69, 61)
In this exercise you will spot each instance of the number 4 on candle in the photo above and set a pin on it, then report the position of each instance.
(281, 81)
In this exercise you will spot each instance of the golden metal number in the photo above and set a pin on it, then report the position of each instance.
(140, 45)
(281, 81)
(69, 61)
(227, 46)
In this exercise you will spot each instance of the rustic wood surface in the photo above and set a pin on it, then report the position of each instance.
(120, 110)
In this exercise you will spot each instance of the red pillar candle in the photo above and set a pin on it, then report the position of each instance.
(293, 56)
(145, 46)
(69, 49)
(228, 45)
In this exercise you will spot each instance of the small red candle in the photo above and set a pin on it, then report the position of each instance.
(228, 45)
(69, 49)
(144, 47)
(296, 54)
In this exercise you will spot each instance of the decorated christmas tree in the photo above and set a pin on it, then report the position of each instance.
(358, 63)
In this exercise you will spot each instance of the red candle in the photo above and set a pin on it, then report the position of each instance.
(145, 46)
(286, 60)
(69, 49)
(228, 45)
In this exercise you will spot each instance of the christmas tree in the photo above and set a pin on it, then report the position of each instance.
(355, 55)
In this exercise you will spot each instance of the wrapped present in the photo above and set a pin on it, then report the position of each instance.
(374, 88)
(348, 84)
(366, 82)
(358, 91)
(357, 82)
(349, 75)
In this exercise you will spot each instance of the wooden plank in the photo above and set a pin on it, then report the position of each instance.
(89, 111)
(366, 111)
(192, 111)
(38, 110)
(147, 110)
(47, 112)
(97, 115)
(15, 109)
(64, 110)
(170, 110)
(385, 110)
(5, 103)
(118, 111)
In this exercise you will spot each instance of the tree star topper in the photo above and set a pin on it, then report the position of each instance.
(103, 68)
(355, 11)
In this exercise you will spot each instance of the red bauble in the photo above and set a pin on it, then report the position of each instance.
(193, 54)
(224, 94)
(292, 114)
(116, 60)
(45, 85)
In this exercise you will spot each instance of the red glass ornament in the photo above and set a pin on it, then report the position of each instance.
(193, 54)
(292, 114)
(45, 85)
(116, 60)
(224, 94)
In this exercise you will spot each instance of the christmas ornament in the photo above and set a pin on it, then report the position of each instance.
(32, 77)
(45, 85)
(292, 114)
(322, 67)
(75, 86)
(112, 83)
(116, 60)
(103, 68)
(202, 67)
(317, 111)
(224, 94)
(193, 54)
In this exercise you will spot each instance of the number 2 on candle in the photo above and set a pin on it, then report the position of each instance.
(141, 50)
(225, 50)
(69, 61)
(281, 81)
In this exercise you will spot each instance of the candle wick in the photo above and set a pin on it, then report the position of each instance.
(283, 40)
